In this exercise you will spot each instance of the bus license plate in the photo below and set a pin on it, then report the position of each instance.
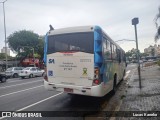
(68, 90)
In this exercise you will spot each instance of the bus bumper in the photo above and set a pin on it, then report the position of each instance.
(96, 91)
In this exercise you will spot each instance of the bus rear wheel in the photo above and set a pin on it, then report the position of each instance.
(114, 84)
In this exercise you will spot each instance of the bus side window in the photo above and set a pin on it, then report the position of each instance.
(114, 54)
(109, 52)
(105, 49)
(119, 55)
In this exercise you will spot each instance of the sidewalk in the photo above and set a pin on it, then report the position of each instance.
(145, 99)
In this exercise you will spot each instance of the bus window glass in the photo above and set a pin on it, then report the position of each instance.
(83, 42)
(114, 54)
(104, 49)
(109, 56)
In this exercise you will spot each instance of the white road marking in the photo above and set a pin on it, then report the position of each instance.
(128, 71)
(39, 102)
(35, 103)
(21, 91)
(20, 84)
(13, 81)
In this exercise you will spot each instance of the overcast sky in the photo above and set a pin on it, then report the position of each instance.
(114, 16)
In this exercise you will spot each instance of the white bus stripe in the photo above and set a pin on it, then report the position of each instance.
(20, 91)
(20, 84)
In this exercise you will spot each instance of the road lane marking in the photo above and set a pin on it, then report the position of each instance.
(35, 104)
(39, 102)
(20, 91)
(127, 74)
(128, 71)
(14, 81)
(20, 84)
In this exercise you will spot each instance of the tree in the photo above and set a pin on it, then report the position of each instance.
(23, 42)
(3, 56)
(128, 54)
(157, 36)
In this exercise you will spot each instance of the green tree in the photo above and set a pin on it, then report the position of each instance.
(128, 54)
(3, 56)
(157, 36)
(23, 42)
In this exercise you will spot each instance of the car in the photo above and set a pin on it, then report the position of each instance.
(13, 72)
(150, 60)
(140, 61)
(3, 78)
(31, 72)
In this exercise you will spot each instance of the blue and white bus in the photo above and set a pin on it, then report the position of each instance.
(82, 60)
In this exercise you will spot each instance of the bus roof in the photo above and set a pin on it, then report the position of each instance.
(71, 30)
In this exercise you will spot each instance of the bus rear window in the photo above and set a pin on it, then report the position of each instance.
(83, 42)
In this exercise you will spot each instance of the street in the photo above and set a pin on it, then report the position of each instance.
(29, 95)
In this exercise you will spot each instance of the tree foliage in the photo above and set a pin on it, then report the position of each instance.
(23, 42)
(157, 36)
(3, 56)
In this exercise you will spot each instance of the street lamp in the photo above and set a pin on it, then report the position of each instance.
(135, 21)
(5, 32)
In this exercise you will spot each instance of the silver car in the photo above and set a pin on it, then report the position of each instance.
(31, 72)
(13, 72)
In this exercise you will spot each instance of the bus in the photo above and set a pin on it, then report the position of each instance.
(82, 60)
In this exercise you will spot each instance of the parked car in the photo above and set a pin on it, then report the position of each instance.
(3, 78)
(13, 72)
(150, 60)
(31, 72)
(140, 61)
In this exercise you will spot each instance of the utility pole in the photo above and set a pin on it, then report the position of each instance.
(5, 32)
(135, 21)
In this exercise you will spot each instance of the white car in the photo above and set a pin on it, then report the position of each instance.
(13, 72)
(31, 72)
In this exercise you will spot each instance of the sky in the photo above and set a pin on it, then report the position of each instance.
(113, 16)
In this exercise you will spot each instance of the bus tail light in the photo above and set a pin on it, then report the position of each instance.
(96, 80)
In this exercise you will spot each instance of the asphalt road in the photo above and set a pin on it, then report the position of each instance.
(29, 95)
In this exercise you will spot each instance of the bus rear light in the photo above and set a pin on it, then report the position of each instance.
(96, 71)
(46, 78)
(96, 82)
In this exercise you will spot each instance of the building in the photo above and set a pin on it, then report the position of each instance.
(153, 51)
(8, 51)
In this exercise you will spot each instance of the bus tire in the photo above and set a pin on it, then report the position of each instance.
(114, 84)
(124, 73)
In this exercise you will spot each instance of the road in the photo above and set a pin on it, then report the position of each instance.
(29, 95)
